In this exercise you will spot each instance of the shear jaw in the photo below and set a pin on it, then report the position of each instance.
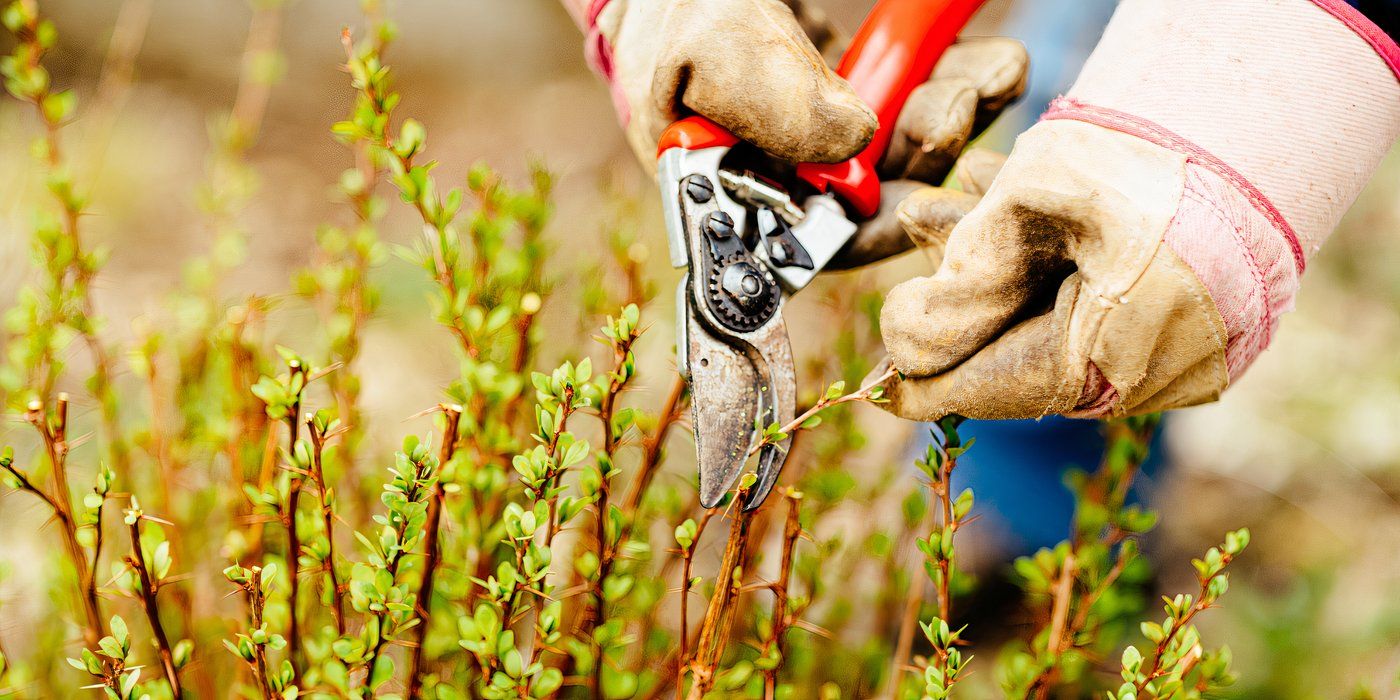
(734, 345)
(732, 341)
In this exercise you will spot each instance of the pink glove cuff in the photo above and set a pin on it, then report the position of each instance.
(1385, 47)
(1299, 96)
(1239, 246)
(598, 51)
(1282, 109)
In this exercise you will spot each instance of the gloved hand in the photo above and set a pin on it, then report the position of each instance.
(745, 64)
(755, 68)
(1139, 245)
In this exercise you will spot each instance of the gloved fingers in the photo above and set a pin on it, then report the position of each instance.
(1160, 345)
(932, 130)
(929, 215)
(1002, 264)
(976, 169)
(772, 90)
(881, 236)
(1025, 373)
(995, 66)
(974, 81)
(911, 214)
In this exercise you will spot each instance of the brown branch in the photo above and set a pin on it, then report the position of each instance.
(77, 272)
(394, 557)
(318, 476)
(723, 607)
(594, 610)
(128, 34)
(1064, 589)
(523, 351)
(432, 553)
(567, 405)
(908, 623)
(160, 441)
(1203, 602)
(289, 521)
(54, 431)
(266, 470)
(792, 530)
(1086, 604)
(865, 393)
(687, 559)
(651, 454)
(149, 587)
(250, 104)
(255, 613)
(22, 480)
(1109, 491)
(940, 517)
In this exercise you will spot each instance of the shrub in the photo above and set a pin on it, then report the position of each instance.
(528, 546)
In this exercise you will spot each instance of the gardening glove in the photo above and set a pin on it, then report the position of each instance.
(1138, 247)
(747, 65)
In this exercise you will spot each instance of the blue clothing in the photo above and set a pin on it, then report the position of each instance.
(1385, 13)
(1016, 471)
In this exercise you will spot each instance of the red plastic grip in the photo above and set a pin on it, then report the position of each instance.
(892, 53)
(693, 134)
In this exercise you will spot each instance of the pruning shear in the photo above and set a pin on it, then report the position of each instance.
(751, 232)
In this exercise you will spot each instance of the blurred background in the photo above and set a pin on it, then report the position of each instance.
(1305, 451)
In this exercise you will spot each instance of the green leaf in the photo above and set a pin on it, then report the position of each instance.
(111, 648)
(411, 138)
(120, 632)
(618, 685)
(685, 534)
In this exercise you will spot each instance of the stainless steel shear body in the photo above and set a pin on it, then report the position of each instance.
(746, 247)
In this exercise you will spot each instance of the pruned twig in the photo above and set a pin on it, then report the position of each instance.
(148, 587)
(452, 417)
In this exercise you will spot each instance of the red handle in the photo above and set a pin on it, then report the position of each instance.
(893, 52)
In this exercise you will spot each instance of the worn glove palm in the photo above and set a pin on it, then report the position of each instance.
(1055, 294)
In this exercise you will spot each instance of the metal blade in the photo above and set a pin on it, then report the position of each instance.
(777, 402)
(724, 390)
(731, 386)
(734, 349)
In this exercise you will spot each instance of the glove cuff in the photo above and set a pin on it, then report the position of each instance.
(1301, 97)
(1240, 247)
(598, 51)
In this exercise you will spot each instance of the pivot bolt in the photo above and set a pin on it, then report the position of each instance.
(742, 283)
(719, 225)
(699, 189)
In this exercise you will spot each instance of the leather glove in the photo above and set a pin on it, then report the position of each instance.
(745, 64)
(755, 67)
(1137, 249)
